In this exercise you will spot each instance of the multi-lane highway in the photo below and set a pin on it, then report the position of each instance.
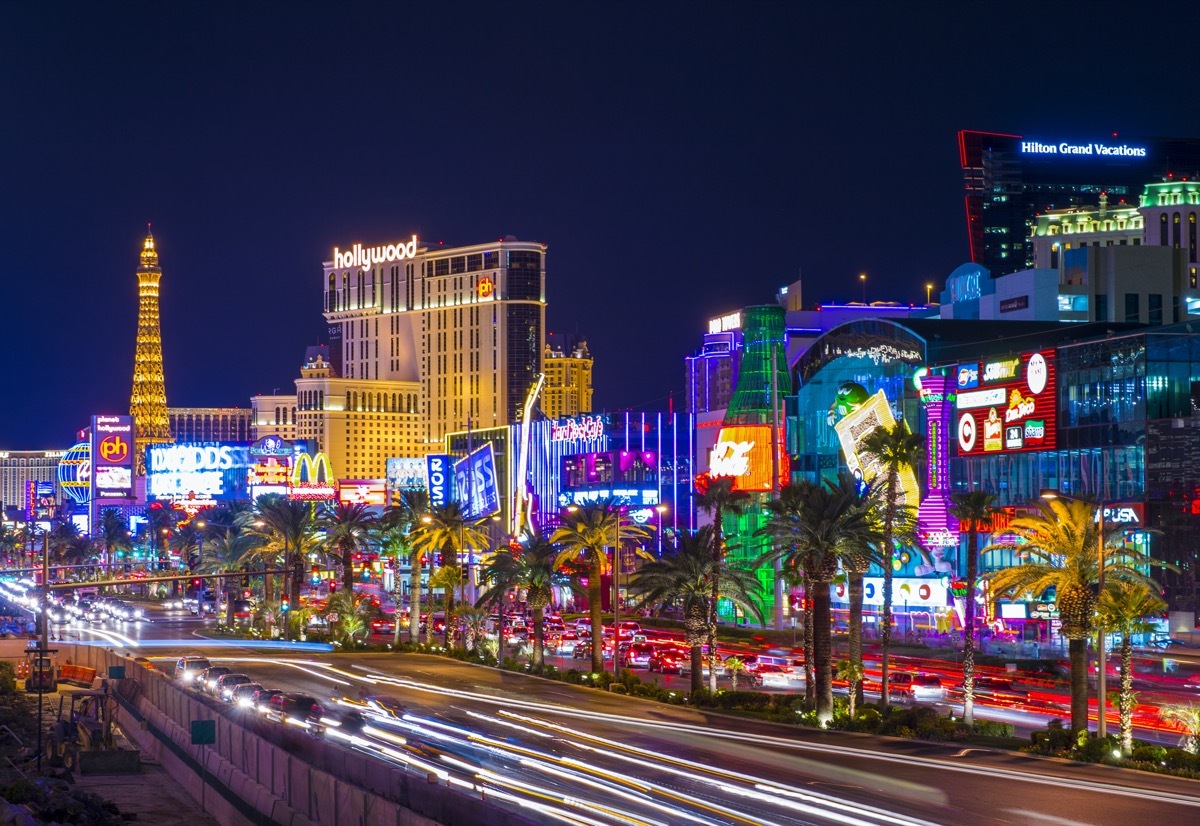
(576, 755)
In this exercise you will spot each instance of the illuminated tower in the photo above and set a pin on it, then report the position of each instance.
(148, 402)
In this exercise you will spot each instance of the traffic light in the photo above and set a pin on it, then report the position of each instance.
(284, 606)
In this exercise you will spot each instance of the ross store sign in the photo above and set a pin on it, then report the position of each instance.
(438, 479)
(365, 257)
(587, 429)
(1018, 414)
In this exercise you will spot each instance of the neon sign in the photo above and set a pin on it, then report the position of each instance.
(572, 430)
(312, 479)
(732, 321)
(743, 452)
(437, 478)
(730, 459)
(934, 526)
(364, 257)
(1085, 149)
(1001, 370)
(486, 287)
(1017, 414)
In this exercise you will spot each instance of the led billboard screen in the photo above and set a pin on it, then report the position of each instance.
(112, 456)
(1007, 405)
(201, 473)
(475, 483)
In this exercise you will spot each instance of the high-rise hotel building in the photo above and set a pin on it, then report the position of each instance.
(465, 323)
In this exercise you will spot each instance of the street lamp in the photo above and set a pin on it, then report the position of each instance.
(1102, 664)
(929, 293)
(862, 276)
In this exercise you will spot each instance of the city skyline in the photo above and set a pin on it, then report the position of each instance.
(680, 162)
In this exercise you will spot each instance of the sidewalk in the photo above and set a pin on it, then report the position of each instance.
(152, 796)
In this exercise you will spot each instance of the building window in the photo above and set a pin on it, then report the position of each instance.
(1156, 308)
(1175, 232)
(1192, 237)
(1132, 312)
(1101, 308)
(1162, 230)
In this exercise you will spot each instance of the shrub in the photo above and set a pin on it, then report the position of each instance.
(1180, 759)
(8, 677)
(617, 688)
(743, 700)
(1149, 754)
(993, 728)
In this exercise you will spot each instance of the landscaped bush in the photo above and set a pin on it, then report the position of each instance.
(1180, 759)
(993, 728)
(742, 700)
(1149, 754)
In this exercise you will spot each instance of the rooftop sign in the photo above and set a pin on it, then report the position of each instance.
(1085, 149)
(364, 257)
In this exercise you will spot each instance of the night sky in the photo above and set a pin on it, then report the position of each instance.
(682, 160)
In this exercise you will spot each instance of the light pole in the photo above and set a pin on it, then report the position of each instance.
(617, 600)
(929, 293)
(1102, 664)
(862, 277)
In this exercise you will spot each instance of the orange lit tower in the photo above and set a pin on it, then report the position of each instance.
(148, 402)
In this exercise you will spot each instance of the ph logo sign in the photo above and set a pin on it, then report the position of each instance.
(113, 449)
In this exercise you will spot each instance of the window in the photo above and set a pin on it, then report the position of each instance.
(1156, 308)
(1162, 230)
(1101, 308)
(1192, 237)
(1175, 231)
(1131, 307)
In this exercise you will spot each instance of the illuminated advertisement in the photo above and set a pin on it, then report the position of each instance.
(112, 456)
(362, 492)
(587, 428)
(438, 479)
(860, 415)
(312, 479)
(75, 473)
(197, 474)
(405, 474)
(270, 467)
(935, 528)
(475, 483)
(39, 500)
(907, 591)
(1013, 408)
(743, 452)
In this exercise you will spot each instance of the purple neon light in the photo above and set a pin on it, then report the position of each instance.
(933, 518)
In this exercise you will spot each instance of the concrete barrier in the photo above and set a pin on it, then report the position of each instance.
(258, 772)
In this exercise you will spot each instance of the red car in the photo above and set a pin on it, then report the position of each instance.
(383, 626)
(669, 659)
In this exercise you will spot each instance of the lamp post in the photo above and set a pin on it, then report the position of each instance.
(928, 293)
(862, 277)
(617, 600)
(1102, 663)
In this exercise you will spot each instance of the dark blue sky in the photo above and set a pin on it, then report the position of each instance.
(681, 160)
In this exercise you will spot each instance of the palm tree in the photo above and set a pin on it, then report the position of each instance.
(226, 551)
(1188, 716)
(80, 551)
(735, 665)
(112, 532)
(62, 535)
(442, 530)
(395, 529)
(852, 673)
(446, 579)
(347, 528)
(1060, 543)
(974, 508)
(531, 570)
(1125, 607)
(474, 621)
(683, 576)
(718, 498)
(291, 524)
(160, 524)
(582, 537)
(9, 542)
(894, 448)
(812, 524)
(354, 615)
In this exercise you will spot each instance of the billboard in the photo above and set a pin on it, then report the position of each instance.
(405, 474)
(860, 417)
(198, 474)
(39, 500)
(438, 479)
(475, 483)
(112, 456)
(75, 473)
(270, 466)
(362, 492)
(1012, 407)
(744, 452)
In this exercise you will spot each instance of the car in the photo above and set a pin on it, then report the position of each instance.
(189, 668)
(226, 685)
(340, 716)
(565, 643)
(242, 696)
(261, 700)
(917, 687)
(383, 626)
(385, 705)
(293, 707)
(637, 655)
(668, 658)
(208, 680)
(243, 608)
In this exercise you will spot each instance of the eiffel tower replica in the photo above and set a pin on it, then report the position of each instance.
(148, 402)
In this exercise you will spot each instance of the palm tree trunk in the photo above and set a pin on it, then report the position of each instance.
(414, 598)
(719, 561)
(449, 611)
(348, 570)
(596, 620)
(268, 591)
(885, 633)
(539, 638)
(697, 656)
(1077, 651)
(810, 684)
(397, 598)
(1126, 698)
(969, 628)
(856, 609)
(298, 577)
(822, 652)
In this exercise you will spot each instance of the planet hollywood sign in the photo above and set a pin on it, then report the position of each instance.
(587, 429)
(365, 257)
